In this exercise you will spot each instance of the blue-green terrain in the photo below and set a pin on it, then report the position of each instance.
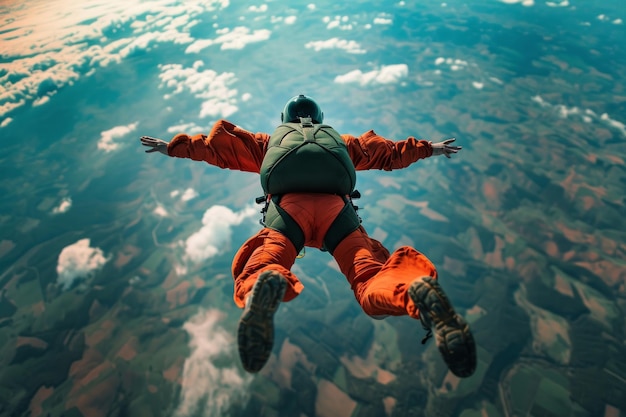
(115, 283)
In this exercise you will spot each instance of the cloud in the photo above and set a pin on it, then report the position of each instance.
(236, 38)
(189, 128)
(6, 121)
(587, 115)
(290, 20)
(453, 64)
(478, 85)
(526, 3)
(388, 74)
(189, 194)
(107, 138)
(215, 233)
(351, 47)
(219, 99)
(78, 260)
(383, 19)
(338, 22)
(160, 211)
(209, 390)
(258, 9)
(563, 3)
(46, 47)
(63, 206)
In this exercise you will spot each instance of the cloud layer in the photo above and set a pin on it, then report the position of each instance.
(215, 233)
(78, 260)
(387, 74)
(208, 390)
(46, 46)
(219, 100)
(108, 138)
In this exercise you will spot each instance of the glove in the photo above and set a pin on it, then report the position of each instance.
(155, 145)
(443, 148)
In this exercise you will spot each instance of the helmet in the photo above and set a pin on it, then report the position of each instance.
(301, 106)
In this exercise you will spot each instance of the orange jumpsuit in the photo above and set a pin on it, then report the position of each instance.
(380, 280)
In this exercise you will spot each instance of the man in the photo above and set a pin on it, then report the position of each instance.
(308, 173)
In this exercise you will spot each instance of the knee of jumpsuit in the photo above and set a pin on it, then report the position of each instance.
(268, 250)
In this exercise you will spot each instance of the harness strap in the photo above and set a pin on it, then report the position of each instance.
(307, 129)
(346, 222)
(278, 219)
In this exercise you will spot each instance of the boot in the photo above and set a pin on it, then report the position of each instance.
(256, 325)
(452, 333)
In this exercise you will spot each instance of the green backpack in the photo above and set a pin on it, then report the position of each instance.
(307, 158)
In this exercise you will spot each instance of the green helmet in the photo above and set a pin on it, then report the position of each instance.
(301, 106)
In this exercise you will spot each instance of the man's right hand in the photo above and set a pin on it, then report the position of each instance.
(155, 145)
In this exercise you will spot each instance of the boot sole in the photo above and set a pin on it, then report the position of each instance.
(256, 326)
(452, 334)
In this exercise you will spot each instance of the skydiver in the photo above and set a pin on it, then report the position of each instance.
(308, 173)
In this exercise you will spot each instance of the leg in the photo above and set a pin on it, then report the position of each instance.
(406, 283)
(262, 281)
(380, 281)
(268, 250)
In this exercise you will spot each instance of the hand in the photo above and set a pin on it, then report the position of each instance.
(443, 148)
(155, 145)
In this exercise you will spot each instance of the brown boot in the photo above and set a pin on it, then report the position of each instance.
(452, 333)
(256, 325)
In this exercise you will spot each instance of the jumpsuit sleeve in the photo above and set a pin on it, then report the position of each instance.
(370, 151)
(226, 146)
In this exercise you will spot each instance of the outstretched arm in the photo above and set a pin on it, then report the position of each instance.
(371, 151)
(226, 146)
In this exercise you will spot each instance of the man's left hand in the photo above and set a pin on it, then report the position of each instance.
(444, 148)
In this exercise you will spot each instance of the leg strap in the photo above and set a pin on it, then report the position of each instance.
(278, 219)
(347, 221)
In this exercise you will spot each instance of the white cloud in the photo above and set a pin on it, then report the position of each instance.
(587, 115)
(614, 123)
(258, 9)
(383, 21)
(454, 64)
(617, 22)
(219, 99)
(63, 206)
(215, 233)
(246, 97)
(160, 211)
(563, 3)
(5, 122)
(78, 260)
(526, 3)
(236, 38)
(189, 194)
(352, 47)
(290, 20)
(338, 22)
(478, 85)
(311, 6)
(107, 138)
(189, 128)
(206, 389)
(47, 46)
(388, 74)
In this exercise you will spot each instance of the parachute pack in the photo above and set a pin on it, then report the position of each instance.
(308, 158)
